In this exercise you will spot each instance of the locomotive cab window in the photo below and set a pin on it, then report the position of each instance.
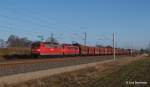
(47, 45)
(35, 45)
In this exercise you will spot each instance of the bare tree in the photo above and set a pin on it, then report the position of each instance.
(15, 41)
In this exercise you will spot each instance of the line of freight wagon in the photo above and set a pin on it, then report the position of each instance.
(55, 49)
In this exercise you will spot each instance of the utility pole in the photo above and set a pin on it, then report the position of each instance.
(52, 39)
(149, 46)
(52, 36)
(85, 38)
(114, 50)
(131, 51)
(114, 45)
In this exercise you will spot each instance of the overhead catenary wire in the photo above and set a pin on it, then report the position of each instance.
(25, 20)
(36, 17)
(32, 19)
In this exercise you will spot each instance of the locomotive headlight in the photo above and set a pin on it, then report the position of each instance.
(38, 50)
(51, 49)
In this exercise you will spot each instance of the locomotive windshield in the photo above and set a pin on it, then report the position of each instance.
(51, 45)
(35, 45)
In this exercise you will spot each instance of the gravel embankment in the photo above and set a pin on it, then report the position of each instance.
(31, 67)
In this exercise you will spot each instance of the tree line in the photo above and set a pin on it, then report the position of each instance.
(16, 41)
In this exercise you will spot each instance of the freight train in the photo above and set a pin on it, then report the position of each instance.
(55, 49)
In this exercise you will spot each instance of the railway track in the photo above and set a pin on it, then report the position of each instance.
(32, 65)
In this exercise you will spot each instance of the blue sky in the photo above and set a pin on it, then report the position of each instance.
(69, 19)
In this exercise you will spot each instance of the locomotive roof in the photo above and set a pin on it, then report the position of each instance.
(51, 43)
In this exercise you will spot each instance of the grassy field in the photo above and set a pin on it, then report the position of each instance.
(138, 71)
(112, 75)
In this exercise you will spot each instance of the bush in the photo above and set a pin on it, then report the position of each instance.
(14, 51)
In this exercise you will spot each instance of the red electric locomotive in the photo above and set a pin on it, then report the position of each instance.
(54, 49)
(69, 49)
(46, 48)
